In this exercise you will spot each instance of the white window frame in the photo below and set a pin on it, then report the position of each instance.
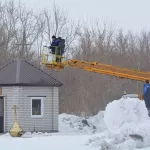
(42, 107)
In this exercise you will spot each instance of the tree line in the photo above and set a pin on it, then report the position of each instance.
(24, 32)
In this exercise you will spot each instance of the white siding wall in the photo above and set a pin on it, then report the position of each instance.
(20, 96)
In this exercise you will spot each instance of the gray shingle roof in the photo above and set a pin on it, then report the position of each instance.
(23, 73)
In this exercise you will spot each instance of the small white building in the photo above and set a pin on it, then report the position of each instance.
(34, 92)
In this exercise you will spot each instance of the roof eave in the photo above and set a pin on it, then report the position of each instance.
(36, 85)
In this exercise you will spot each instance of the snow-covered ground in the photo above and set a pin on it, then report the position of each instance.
(124, 125)
(55, 142)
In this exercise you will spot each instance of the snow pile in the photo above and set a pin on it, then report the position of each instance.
(75, 124)
(109, 141)
(98, 122)
(126, 116)
(128, 126)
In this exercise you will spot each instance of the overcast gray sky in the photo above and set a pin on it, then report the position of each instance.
(128, 14)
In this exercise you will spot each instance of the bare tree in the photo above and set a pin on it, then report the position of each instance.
(23, 34)
(57, 23)
(22, 27)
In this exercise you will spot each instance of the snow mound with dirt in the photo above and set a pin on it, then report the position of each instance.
(128, 126)
(75, 124)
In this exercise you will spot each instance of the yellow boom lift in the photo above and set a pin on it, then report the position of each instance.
(94, 67)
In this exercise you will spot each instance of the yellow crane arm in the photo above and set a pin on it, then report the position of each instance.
(110, 70)
(102, 69)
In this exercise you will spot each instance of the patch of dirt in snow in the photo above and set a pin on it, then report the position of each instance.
(74, 124)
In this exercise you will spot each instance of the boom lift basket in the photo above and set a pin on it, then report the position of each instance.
(52, 61)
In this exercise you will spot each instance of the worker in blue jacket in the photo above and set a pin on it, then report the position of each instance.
(146, 95)
(57, 47)
(55, 42)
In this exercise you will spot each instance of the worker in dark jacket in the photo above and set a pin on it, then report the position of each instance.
(55, 42)
(61, 45)
(146, 95)
(60, 49)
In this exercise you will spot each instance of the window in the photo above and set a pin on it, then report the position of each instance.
(36, 107)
